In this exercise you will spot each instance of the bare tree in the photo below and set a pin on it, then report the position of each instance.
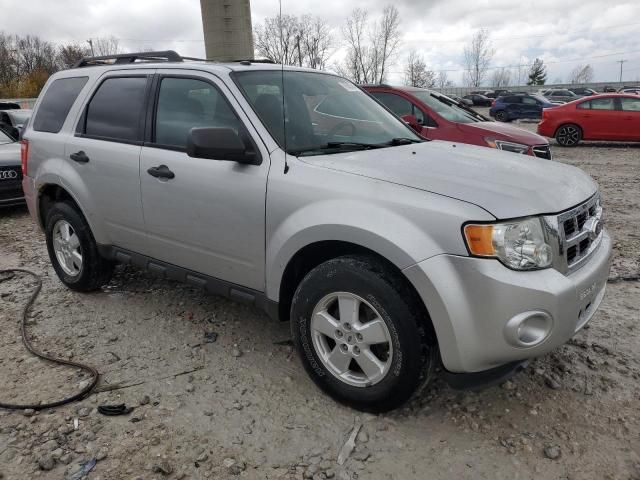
(370, 47)
(70, 54)
(501, 77)
(287, 39)
(106, 46)
(442, 80)
(477, 57)
(581, 74)
(416, 73)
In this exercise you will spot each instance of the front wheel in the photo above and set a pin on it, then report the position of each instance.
(569, 135)
(356, 326)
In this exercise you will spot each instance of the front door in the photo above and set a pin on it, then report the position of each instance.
(210, 217)
(630, 124)
(598, 122)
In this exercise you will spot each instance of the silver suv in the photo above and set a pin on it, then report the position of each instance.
(295, 191)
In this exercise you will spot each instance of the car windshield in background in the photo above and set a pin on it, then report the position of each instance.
(324, 113)
(4, 138)
(19, 117)
(541, 98)
(443, 107)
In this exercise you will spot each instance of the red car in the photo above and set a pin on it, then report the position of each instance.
(613, 117)
(438, 117)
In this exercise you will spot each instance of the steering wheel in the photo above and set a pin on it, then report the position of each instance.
(339, 126)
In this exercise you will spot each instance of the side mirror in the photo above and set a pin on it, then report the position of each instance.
(221, 144)
(412, 121)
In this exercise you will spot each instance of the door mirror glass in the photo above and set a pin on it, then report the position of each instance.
(221, 143)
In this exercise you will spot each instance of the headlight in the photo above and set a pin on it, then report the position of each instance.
(520, 244)
(507, 146)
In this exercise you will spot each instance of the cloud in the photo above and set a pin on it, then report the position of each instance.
(583, 31)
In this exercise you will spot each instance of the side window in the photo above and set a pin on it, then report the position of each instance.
(57, 102)
(529, 101)
(584, 106)
(185, 103)
(396, 103)
(630, 104)
(603, 104)
(115, 111)
(513, 100)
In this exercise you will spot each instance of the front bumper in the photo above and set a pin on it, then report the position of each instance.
(11, 193)
(473, 303)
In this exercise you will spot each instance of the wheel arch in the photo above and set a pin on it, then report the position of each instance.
(51, 193)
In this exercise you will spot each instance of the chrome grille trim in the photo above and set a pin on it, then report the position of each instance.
(542, 151)
(575, 234)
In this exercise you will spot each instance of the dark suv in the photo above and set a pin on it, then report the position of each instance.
(514, 107)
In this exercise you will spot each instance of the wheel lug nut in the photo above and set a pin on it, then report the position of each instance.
(347, 326)
(344, 348)
(359, 337)
(339, 333)
(356, 350)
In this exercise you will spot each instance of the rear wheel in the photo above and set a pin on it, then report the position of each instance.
(73, 250)
(502, 116)
(356, 326)
(569, 135)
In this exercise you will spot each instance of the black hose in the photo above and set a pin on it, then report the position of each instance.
(85, 392)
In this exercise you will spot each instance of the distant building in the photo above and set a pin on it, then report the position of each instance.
(227, 29)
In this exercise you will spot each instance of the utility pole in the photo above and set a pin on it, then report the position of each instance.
(621, 62)
(90, 42)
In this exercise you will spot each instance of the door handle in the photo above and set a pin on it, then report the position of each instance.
(79, 157)
(161, 172)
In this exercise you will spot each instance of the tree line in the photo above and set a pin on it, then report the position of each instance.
(26, 62)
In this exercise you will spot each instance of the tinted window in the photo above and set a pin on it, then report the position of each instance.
(401, 106)
(513, 99)
(630, 104)
(603, 104)
(584, 106)
(185, 103)
(115, 110)
(57, 102)
(529, 101)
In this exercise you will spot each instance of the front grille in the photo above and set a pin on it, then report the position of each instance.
(542, 151)
(580, 231)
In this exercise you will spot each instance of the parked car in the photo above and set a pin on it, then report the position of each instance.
(480, 92)
(561, 95)
(9, 106)
(436, 117)
(10, 171)
(609, 89)
(614, 117)
(479, 100)
(497, 93)
(13, 121)
(629, 90)
(385, 251)
(514, 107)
(583, 91)
(463, 101)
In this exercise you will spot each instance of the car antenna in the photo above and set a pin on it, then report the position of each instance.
(284, 121)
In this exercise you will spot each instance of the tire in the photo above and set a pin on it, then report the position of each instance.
(568, 135)
(501, 116)
(389, 310)
(88, 272)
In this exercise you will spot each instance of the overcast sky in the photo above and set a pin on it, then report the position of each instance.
(564, 34)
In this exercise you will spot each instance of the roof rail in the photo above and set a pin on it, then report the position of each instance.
(254, 60)
(123, 58)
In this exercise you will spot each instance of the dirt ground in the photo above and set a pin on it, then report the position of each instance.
(218, 392)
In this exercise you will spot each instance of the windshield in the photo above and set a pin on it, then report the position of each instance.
(4, 138)
(19, 117)
(324, 113)
(442, 107)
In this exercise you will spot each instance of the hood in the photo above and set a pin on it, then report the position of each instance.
(507, 132)
(9, 154)
(507, 185)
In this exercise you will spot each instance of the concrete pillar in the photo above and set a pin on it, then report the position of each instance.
(227, 28)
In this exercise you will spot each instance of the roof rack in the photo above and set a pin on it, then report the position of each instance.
(124, 58)
(247, 61)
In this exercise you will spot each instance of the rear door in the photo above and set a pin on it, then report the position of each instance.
(210, 217)
(598, 119)
(629, 123)
(514, 107)
(105, 154)
(531, 108)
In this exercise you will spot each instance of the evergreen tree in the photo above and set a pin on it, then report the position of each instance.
(538, 73)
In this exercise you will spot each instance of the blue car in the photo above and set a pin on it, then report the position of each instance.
(513, 107)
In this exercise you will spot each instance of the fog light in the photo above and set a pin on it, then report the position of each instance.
(528, 329)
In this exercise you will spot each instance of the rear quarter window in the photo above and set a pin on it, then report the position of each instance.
(57, 102)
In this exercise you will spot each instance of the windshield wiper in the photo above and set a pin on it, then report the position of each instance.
(402, 141)
(353, 145)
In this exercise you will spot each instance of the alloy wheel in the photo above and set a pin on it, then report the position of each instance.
(351, 339)
(66, 246)
(568, 135)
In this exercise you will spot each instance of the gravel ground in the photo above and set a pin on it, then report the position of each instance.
(219, 393)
